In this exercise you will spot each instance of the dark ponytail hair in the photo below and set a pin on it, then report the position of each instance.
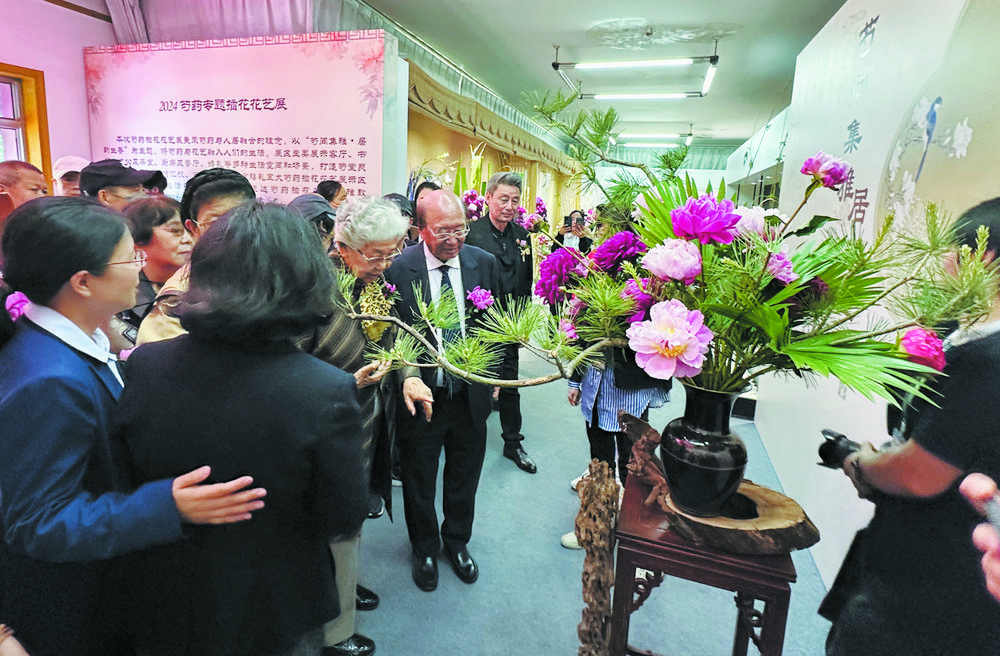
(47, 240)
(210, 184)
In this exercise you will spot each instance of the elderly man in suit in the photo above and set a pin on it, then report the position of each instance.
(438, 265)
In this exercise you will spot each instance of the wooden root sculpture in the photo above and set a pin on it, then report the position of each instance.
(595, 525)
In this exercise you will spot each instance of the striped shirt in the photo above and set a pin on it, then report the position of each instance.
(598, 389)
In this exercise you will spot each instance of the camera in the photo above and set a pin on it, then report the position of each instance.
(835, 449)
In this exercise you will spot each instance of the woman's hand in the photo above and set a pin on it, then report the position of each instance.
(371, 373)
(414, 392)
(563, 229)
(852, 467)
(573, 396)
(220, 503)
(979, 489)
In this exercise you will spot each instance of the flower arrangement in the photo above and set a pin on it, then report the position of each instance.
(717, 295)
(475, 204)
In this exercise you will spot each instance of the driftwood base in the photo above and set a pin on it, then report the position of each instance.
(780, 526)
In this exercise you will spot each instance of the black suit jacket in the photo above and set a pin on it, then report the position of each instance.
(516, 269)
(293, 423)
(479, 269)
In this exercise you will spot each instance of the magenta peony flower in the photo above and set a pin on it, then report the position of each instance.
(672, 343)
(622, 246)
(706, 219)
(567, 327)
(779, 266)
(827, 170)
(923, 347)
(554, 273)
(540, 208)
(15, 305)
(674, 259)
(641, 300)
(481, 298)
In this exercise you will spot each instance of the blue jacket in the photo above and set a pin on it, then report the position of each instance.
(63, 493)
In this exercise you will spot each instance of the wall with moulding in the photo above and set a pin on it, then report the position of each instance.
(43, 36)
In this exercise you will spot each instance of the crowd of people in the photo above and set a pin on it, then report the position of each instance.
(193, 431)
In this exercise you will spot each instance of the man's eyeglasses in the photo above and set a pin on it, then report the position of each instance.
(378, 258)
(140, 259)
(453, 234)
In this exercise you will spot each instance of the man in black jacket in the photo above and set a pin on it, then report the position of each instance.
(499, 234)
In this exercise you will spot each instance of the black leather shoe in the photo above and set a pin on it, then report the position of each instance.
(356, 645)
(463, 564)
(365, 599)
(520, 458)
(425, 572)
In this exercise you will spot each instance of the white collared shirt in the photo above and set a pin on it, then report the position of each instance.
(95, 346)
(454, 275)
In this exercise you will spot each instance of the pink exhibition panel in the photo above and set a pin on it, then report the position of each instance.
(286, 111)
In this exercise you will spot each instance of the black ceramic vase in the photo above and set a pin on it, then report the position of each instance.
(703, 460)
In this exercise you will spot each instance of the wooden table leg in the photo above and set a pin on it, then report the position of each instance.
(772, 636)
(621, 606)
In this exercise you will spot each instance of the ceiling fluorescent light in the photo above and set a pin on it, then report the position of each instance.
(636, 135)
(637, 96)
(648, 63)
(709, 76)
(651, 145)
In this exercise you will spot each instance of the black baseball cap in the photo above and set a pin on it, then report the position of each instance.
(112, 173)
(404, 203)
(314, 208)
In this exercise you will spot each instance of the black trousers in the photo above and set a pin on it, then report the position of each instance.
(509, 402)
(603, 445)
(420, 443)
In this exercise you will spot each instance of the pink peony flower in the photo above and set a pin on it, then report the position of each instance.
(779, 266)
(390, 288)
(827, 170)
(622, 246)
(568, 328)
(15, 305)
(574, 306)
(481, 298)
(674, 259)
(706, 219)
(640, 298)
(753, 220)
(924, 347)
(554, 273)
(672, 343)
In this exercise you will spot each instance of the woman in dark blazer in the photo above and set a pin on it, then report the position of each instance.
(236, 392)
(66, 507)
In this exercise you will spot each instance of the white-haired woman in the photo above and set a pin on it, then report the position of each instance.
(368, 236)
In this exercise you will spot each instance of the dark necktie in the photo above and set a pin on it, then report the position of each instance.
(448, 335)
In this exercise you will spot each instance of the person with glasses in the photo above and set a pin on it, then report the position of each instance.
(442, 264)
(164, 242)
(497, 233)
(367, 236)
(117, 185)
(67, 506)
(207, 196)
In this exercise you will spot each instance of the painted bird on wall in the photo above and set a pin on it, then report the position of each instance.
(928, 133)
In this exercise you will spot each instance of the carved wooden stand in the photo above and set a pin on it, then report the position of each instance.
(645, 542)
(748, 557)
